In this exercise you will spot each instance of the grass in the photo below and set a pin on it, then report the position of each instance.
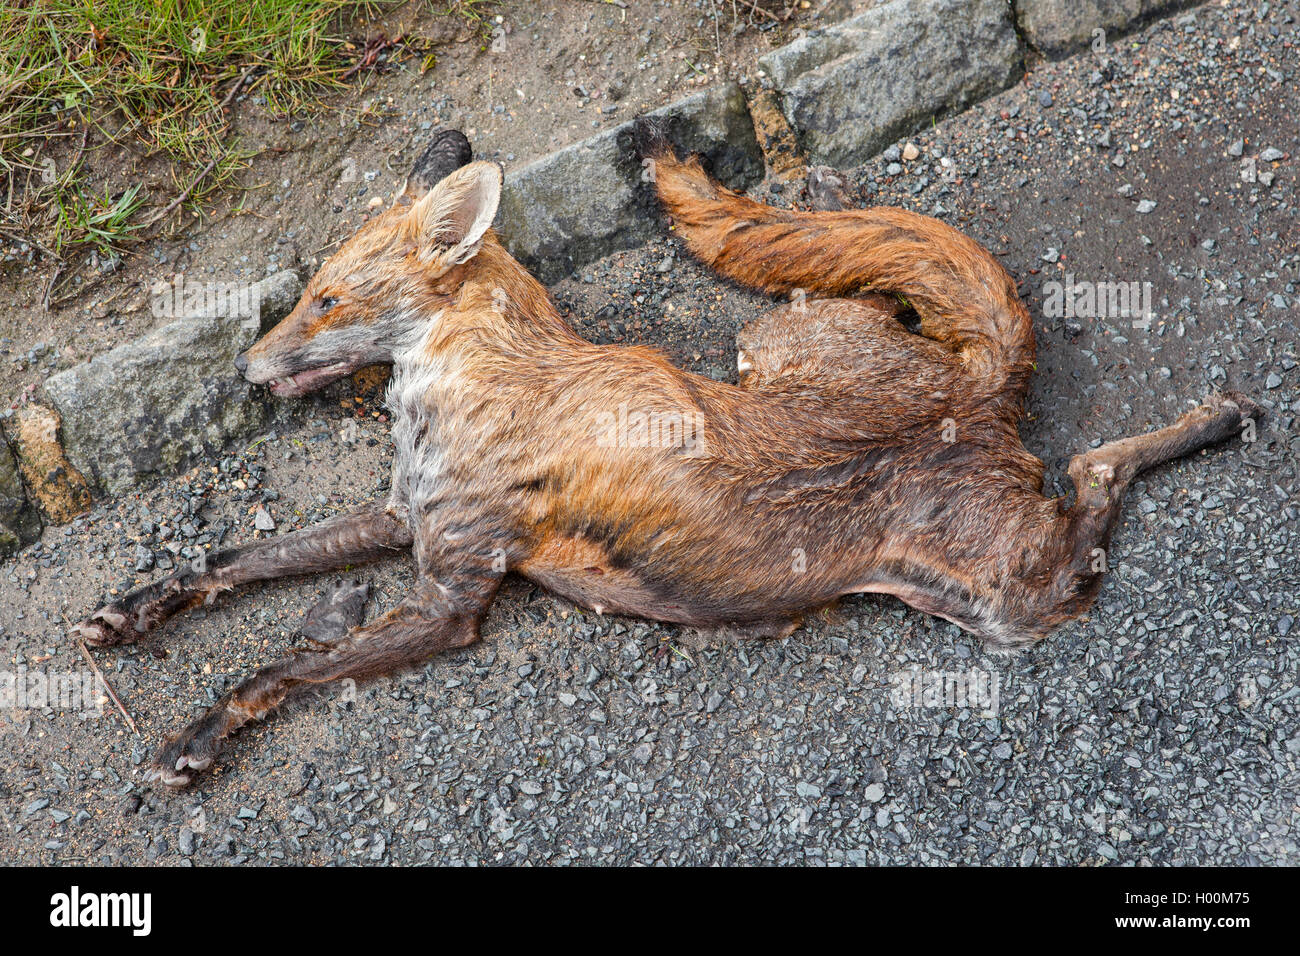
(156, 74)
(101, 221)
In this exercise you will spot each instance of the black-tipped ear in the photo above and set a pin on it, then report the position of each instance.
(650, 139)
(447, 152)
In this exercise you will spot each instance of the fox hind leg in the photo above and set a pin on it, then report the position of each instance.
(1076, 556)
(1102, 475)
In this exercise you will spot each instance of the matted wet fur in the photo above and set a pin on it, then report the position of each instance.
(853, 456)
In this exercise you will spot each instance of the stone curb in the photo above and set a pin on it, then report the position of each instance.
(850, 90)
(1057, 28)
(20, 522)
(593, 198)
(153, 406)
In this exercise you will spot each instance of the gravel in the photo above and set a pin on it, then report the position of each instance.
(1161, 730)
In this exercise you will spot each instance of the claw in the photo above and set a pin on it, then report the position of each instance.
(168, 778)
(112, 618)
(88, 632)
(104, 628)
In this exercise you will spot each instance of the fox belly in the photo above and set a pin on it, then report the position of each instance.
(582, 571)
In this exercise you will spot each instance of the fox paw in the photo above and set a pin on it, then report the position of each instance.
(1247, 408)
(141, 611)
(337, 612)
(189, 752)
(110, 626)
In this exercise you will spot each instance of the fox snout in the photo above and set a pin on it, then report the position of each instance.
(302, 354)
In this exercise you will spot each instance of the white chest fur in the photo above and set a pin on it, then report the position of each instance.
(417, 455)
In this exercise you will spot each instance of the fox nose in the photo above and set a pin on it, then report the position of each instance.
(241, 363)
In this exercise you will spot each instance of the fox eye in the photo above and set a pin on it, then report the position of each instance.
(328, 303)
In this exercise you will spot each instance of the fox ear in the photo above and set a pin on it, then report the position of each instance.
(450, 221)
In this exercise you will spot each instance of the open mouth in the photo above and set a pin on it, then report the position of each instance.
(308, 380)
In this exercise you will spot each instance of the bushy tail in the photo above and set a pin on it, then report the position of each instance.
(962, 294)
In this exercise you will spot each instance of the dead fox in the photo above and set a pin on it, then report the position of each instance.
(852, 456)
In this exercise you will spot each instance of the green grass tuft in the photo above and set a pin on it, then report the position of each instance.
(157, 72)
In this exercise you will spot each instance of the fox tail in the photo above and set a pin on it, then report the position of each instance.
(962, 294)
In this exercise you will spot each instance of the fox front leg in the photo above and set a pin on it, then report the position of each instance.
(354, 538)
(431, 619)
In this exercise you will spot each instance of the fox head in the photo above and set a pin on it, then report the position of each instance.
(378, 294)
